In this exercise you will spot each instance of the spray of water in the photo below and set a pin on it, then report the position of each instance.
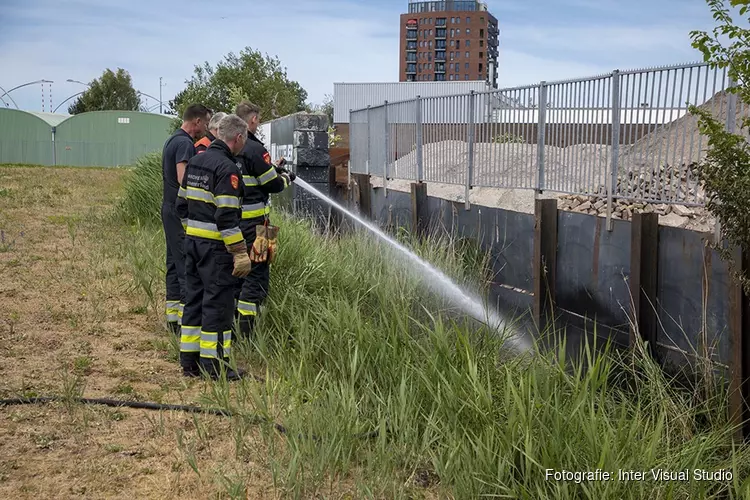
(438, 281)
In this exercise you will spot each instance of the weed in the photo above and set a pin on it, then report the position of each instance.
(82, 365)
(114, 448)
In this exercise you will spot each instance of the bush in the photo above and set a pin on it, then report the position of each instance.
(143, 192)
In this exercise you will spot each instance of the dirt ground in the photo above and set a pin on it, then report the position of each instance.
(71, 325)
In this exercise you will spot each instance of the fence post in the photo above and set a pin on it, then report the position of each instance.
(615, 145)
(470, 138)
(420, 165)
(739, 348)
(387, 149)
(544, 265)
(367, 162)
(541, 137)
(644, 251)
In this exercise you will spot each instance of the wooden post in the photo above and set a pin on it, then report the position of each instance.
(739, 351)
(420, 216)
(365, 191)
(644, 256)
(545, 261)
(335, 217)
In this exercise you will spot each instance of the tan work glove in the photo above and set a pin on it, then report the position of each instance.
(259, 252)
(242, 264)
(272, 234)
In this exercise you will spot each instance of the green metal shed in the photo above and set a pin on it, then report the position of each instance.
(109, 138)
(26, 137)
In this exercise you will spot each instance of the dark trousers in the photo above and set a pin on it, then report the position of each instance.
(209, 306)
(175, 278)
(252, 290)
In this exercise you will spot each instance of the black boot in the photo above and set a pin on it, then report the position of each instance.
(213, 370)
(247, 324)
(174, 328)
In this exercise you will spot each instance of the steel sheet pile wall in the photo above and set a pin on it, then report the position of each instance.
(592, 291)
(624, 135)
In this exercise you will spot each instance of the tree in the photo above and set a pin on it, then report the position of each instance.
(327, 109)
(260, 79)
(111, 91)
(726, 168)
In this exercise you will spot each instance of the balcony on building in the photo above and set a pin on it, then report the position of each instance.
(440, 56)
(411, 34)
(441, 34)
(411, 69)
(411, 46)
(439, 68)
(411, 57)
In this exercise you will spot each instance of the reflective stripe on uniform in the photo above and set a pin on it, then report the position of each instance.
(203, 230)
(198, 194)
(225, 201)
(211, 232)
(173, 310)
(249, 180)
(182, 193)
(227, 347)
(255, 210)
(232, 236)
(268, 176)
(190, 338)
(208, 344)
(247, 308)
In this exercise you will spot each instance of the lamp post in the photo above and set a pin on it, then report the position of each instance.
(161, 85)
(6, 104)
(66, 100)
(7, 92)
(70, 80)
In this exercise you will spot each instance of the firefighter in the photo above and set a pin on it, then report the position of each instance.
(202, 144)
(209, 204)
(260, 178)
(177, 151)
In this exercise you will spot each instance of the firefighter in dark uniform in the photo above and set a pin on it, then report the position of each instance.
(216, 255)
(204, 142)
(260, 178)
(177, 151)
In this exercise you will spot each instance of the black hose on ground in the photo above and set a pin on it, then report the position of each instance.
(117, 403)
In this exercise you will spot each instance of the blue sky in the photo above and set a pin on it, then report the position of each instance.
(320, 41)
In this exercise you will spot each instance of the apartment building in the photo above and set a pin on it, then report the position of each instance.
(448, 41)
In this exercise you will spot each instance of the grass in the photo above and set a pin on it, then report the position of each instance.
(384, 390)
(351, 344)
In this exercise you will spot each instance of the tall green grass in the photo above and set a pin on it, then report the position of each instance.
(353, 344)
(141, 203)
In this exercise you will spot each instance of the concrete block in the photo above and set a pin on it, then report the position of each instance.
(305, 157)
(310, 139)
(314, 122)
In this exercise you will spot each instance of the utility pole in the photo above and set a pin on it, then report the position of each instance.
(160, 106)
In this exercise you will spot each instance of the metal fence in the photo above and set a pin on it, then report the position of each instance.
(626, 134)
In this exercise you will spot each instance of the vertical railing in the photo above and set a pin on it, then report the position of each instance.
(541, 134)
(387, 149)
(470, 139)
(615, 145)
(420, 164)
